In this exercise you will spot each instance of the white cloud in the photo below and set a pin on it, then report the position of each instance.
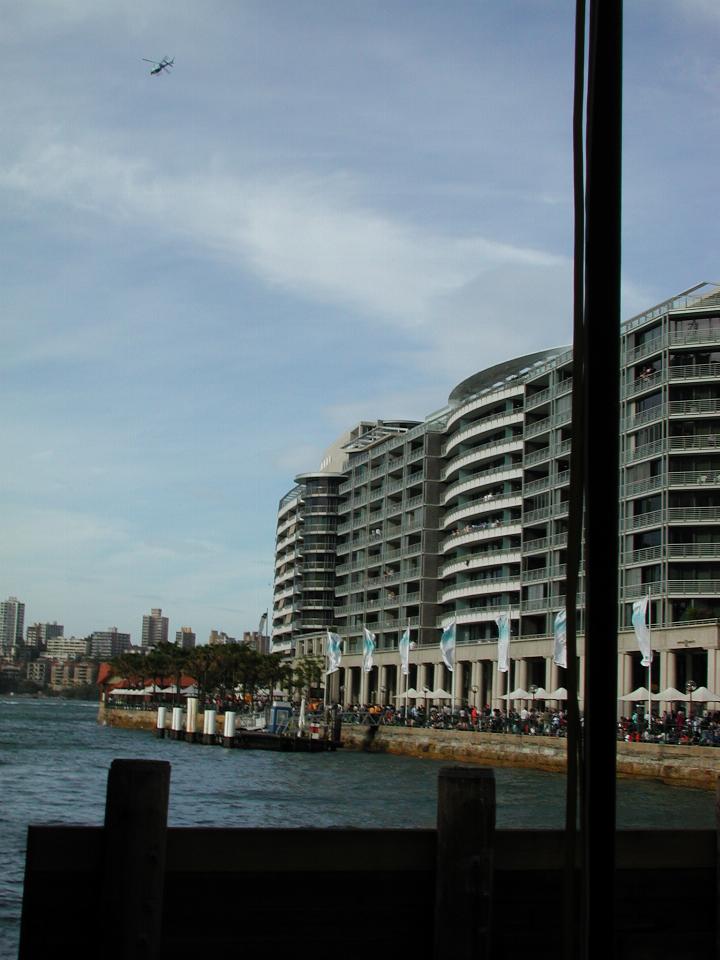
(312, 236)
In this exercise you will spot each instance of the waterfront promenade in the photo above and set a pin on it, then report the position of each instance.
(695, 766)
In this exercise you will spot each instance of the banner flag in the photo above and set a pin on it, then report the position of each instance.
(404, 651)
(368, 650)
(447, 645)
(334, 652)
(560, 631)
(642, 630)
(503, 625)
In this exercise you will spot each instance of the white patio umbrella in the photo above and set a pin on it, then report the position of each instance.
(703, 695)
(517, 694)
(641, 693)
(559, 694)
(540, 694)
(670, 693)
(438, 694)
(411, 694)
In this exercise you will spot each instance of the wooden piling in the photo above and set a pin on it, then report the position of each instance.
(161, 719)
(464, 866)
(176, 724)
(191, 719)
(228, 739)
(131, 895)
(209, 729)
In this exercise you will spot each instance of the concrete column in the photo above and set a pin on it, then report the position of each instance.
(555, 681)
(521, 674)
(547, 682)
(363, 687)
(713, 665)
(624, 674)
(475, 681)
(671, 668)
(383, 691)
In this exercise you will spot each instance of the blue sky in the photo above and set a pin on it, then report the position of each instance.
(331, 209)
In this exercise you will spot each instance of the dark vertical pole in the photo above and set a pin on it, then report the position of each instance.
(134, 860)
(602, 397)
(717, 868)
(572, 890)
(464, 867)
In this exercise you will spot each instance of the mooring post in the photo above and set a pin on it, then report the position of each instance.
(160, 725)
(209, 727)
(191, 719)
(176, 724)
(464, 866)
(131, 896)
(229, 729)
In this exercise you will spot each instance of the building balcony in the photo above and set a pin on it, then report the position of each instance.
(487, 531)
(694, 371)
(693, 478)
(489, 503)
(485, 451)
(558, 572)
(643, 555)
(493, 422)
(492, 397)
(476, 588)
(491, 558)
(693, 551)
(484, 478)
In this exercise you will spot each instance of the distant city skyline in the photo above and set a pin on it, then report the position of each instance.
(35, 632)
(326, 213)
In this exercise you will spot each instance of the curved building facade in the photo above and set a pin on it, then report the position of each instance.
(464, 516)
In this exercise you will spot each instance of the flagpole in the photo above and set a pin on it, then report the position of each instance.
(509, 671)
(649, 669)
(407, 678)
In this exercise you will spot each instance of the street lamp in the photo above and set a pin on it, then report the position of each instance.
(690, 686)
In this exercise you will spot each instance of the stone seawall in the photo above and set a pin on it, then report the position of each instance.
(682, 766)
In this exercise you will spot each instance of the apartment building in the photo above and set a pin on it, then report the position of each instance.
(464, 516)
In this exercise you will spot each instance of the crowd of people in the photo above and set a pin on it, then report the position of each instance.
(549, 723)
(672, 726)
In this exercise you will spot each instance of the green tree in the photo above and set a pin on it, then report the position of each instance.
(307, 673)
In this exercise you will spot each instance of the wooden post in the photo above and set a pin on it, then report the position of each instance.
(717, 868)
(131, 896)
(228, 739)
(464, 870)
(209, 727)
(191, 716)
(160, 725)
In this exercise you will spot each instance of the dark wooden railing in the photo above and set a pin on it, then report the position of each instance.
(134, 888)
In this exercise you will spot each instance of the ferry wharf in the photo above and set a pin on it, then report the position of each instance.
(689, 766)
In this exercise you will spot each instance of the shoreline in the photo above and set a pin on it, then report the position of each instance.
(676, 765)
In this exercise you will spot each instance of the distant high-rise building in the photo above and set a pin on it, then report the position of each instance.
(105, 644)
(154, 628)
(258, 641)
(38, 634)
(68, 648)
(185, 638)
(12, 623)
(219, 636)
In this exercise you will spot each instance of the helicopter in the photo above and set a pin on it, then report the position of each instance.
(165, 64)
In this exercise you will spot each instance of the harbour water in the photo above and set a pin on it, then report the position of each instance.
(54, 760)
